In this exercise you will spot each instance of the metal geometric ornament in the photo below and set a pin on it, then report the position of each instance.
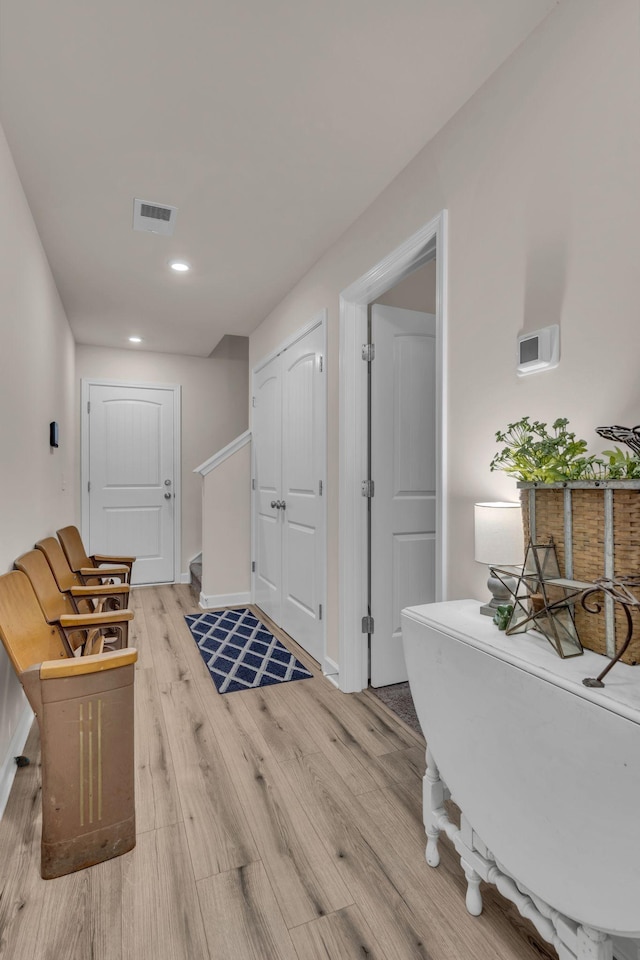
(543, 599)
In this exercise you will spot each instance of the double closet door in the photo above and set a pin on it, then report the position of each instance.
(289, 445)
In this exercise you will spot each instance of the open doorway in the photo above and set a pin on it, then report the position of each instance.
(416, 344)
(403, 462)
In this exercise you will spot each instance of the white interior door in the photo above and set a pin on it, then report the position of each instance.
(403, 468)
(267, 450)
(132, 477)
(302, 516)
(289, 438)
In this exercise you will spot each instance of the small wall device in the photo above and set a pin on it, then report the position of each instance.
(53, 434)
(539, 350)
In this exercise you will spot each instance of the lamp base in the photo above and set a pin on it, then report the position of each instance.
(489, 609)
(501, 594)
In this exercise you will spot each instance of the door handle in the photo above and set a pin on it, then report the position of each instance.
(167, 496)
(275, 504)
(283, 505)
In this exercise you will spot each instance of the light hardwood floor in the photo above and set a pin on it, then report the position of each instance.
(283, 823)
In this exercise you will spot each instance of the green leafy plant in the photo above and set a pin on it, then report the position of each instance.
(621, 465)
(534, 454)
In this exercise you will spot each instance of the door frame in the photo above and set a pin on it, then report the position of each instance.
(353, 546)
(319, 319)
(85, 385)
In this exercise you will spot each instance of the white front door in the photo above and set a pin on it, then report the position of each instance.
(289, 442)
(132, 477)
(403, 468)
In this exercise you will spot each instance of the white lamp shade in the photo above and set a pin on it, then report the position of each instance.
(499, 539)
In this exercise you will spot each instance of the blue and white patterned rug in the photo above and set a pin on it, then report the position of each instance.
(240, 653)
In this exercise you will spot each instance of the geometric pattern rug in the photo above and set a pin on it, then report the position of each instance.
(240, 652)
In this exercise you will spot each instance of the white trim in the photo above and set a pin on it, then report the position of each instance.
(86, 384)
(319, 319)
(331, 671)
(16, 746)
(224, 454)
(185, 577)
(353, 452)
(224, 600)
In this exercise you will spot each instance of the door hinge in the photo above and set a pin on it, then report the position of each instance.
(88, 486)
(320, 488)
(367, 624)
(253, 401)
(253, 566)
(88, 406)
(321, 363)
(253, 483)
(368, 488)
(320, 611)
(368, 352)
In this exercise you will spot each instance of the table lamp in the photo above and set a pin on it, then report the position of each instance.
(499, 542)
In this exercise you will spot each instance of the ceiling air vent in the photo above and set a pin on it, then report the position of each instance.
(154, 217)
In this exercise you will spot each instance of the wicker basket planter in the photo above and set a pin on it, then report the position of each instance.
(596, 529)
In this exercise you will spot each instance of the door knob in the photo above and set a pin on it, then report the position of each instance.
(167, 496)
(283, 505)
(167, 483)
(274, 505)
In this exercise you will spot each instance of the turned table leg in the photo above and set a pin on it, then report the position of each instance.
(473, 899)
(433, 804)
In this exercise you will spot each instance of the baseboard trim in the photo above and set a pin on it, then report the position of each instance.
(331, 671)
(185, 577)
(224, 600)
(9, 768)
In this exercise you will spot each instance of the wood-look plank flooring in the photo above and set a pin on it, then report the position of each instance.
(283, 823)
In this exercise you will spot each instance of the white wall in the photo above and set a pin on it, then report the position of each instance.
(539, 172)
(415, 292)
(226, 552)
(214, 410)
(36, 386)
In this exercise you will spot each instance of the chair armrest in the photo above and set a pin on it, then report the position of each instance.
(104, 571)
(78, 621)
(103, 558)
(94, 663)
(100, 590)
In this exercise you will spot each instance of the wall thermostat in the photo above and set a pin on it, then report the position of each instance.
(539, 350)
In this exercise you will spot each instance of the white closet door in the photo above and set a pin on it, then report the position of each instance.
(267, 442)
(289, 439)
(303, 465)
(132, 478)
(403, 468)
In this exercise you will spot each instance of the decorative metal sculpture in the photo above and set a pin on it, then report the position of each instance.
(628, 435)
(543, 599)
(620, 592)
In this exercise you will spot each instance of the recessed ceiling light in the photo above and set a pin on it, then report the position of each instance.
(135, 339)
(179, 266)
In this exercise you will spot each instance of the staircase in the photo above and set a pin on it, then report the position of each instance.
(195, 568)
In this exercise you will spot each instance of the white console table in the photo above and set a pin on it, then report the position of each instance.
(545, 771)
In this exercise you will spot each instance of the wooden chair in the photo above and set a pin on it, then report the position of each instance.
(84, 709)
(85, 598)
(88, 568)
(86, 630)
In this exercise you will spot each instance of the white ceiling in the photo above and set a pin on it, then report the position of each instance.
(270, 124)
